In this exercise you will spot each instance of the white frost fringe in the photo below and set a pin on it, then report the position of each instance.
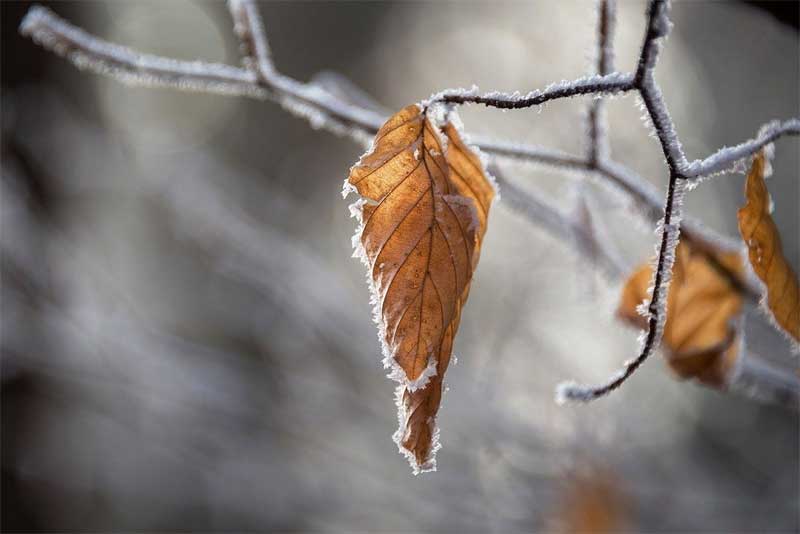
(572, 391)
(429, 465)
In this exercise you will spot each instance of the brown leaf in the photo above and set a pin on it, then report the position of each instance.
(703, 304)
(423, 211)
(766, 252)
(591, 502)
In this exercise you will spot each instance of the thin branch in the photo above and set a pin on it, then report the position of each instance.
(658, 26)
(249, 29)
(608, 84)
(549, 157)
(647, 199)
(559, 224)
(657, 309)
(757, 379)
(725, 159)
(606, 22)
(597, 142)
(102, 57)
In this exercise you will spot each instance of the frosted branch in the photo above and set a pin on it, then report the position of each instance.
(606, 18)
(725, 159)
(540, 212)
(757, 379)
(609, 84)
(658, 27)
(657, 308)
(530, 153)
(249, 29)
(91, 53)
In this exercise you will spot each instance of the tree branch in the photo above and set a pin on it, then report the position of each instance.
(608, 84)
(657, 309)
(658, 26)
(559, 224)
(249, 29)
(725, 159)
(597, 142)
(129, 66)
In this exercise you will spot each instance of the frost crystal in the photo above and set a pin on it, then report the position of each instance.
(430, 464)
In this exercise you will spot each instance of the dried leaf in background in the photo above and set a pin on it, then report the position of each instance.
(700, 333)
(425, 200)
(591, 502)
(764, 248)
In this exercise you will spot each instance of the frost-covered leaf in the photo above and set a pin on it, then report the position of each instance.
(425, 201)
(700, 335)
(764, 248)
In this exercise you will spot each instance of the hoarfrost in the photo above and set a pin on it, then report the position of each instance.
(657, 307)
(642, 307)
(727, 158)
(429, 464)
(130, 67)
(424, 377)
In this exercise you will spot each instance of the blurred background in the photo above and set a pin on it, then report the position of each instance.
(187, 343)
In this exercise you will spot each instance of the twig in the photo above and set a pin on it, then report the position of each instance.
(597, 142)
(658, 26)
(725, 159)
(558, 224)
(757, 379)
(250, 31)
(608, 84)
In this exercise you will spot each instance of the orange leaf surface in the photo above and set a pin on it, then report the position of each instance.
(766, 252)
(425, 201)
(703, 305)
